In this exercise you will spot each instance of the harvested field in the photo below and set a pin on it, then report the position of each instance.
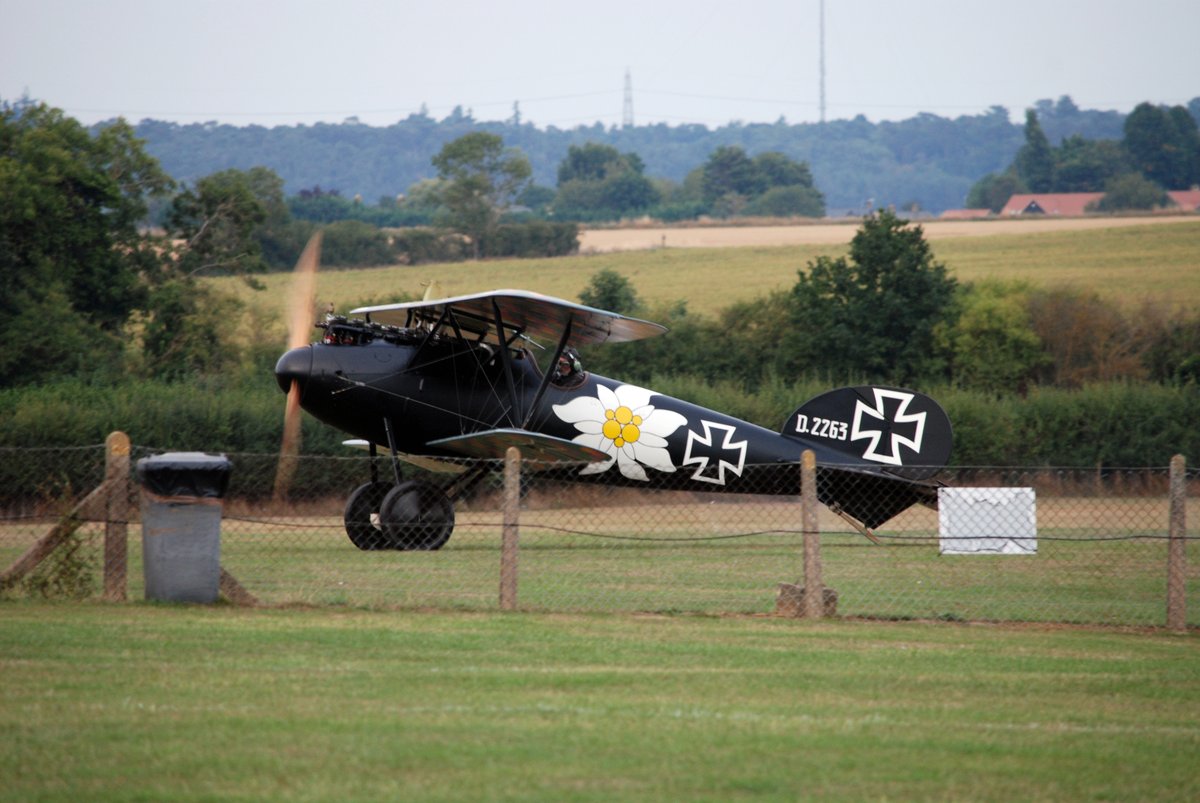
(636, 238)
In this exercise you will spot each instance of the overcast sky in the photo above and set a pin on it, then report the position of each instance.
(280, 62)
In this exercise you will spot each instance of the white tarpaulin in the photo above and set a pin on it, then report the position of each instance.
(987, 521)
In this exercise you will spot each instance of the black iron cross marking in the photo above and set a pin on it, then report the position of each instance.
(870, 423)
(702, 452)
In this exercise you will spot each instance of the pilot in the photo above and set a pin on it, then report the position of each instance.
(569, 370)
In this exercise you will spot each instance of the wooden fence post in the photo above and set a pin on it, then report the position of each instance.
(116, 517)
(1177, 547)
(510, 538)
(814, 585)
(813, 599)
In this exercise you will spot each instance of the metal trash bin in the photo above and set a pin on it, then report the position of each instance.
(181, 524)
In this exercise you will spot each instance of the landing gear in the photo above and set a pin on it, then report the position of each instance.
(410, 516)
(417, 515)
(362, 516)
(406, 515)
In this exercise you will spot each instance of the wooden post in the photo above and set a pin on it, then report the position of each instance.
(234, 591)
(1177, 547)
(510, 540)
(814, 586)
(116, 517)
(94, 507)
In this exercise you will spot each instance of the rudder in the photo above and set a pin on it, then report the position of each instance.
(894, 428)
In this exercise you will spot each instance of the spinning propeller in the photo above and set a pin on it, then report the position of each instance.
(300, 323)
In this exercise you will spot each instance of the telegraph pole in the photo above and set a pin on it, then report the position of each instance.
(822, 66)
(627, 110)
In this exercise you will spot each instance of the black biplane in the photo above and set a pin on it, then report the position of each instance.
(438, 380)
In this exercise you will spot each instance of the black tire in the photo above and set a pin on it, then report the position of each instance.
(417, 515)
(362, 516)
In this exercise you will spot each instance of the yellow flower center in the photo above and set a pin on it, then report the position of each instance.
(621, 426)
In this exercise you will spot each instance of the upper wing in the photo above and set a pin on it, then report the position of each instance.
(519, 311)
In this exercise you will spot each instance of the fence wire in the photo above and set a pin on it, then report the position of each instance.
(1098, 554)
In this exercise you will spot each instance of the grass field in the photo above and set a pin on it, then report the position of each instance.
(1127, 263)
(1099, 561)
(155, 702)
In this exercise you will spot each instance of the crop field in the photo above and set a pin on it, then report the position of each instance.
(144, 701)
(1155, 260)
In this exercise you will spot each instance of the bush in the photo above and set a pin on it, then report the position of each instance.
(788, 202)
(420, 246)
(354, 244)
(533, 239)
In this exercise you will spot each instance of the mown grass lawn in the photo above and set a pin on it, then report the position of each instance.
(146, 701)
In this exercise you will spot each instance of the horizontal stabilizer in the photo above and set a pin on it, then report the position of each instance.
(494, 443)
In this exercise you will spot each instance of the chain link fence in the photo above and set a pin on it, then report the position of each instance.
(1096, 550)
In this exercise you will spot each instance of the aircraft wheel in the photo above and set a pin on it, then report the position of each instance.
(417, 515)
(362, 516)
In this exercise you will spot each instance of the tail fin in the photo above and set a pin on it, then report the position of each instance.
(905, 431)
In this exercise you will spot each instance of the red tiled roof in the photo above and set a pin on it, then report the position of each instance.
(1187, 200)
(1069, 204)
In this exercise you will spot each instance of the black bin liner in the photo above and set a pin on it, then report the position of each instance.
(195, 474)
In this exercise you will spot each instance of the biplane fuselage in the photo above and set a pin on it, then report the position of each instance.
(433, 382)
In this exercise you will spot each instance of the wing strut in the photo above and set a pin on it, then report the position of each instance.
(541, 391)
(506, 360)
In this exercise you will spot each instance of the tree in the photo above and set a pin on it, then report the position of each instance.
(1087, 338)
(597, 181)
(1164, 145)
(729, 171)
(789, 188)
(1150, 141)
(992, 344)
(221, 217)
(777, 170)
(482, 179)
(993, 191)
(1188, 141)
(793, 200)
(1132, 191)
(1035, 159)
(873, 315)
(1084, 165)
(70, 249)
(610, 291)
(590, 162)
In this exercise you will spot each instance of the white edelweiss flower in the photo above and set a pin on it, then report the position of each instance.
(624, 425)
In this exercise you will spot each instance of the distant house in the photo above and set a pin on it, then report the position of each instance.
(1064, 204)
(965, 214)
(1187, 200)
(1074, 204)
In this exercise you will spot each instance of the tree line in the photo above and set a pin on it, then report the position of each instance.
(927, 162)
(1159, 150)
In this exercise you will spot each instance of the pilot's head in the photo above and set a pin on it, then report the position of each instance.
(568, 363)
